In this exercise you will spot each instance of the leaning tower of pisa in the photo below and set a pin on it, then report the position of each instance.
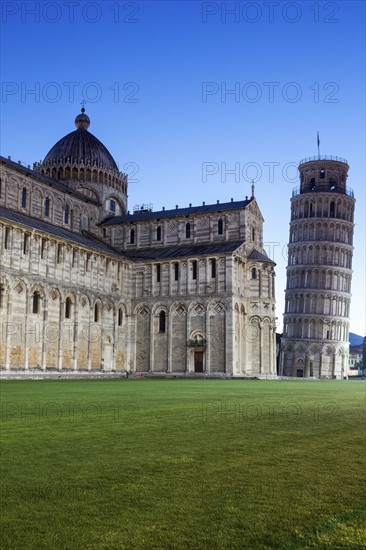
(319, 272)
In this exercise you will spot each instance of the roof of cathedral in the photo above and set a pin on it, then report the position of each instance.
(150, 215)
(182, 251)
(60, 232)
(81, 147)
(256, 255)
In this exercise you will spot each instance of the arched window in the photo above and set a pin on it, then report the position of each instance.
(254, 273)
(120, 317)
(59, 253)
(188, 230)
(47, 207)
(253, 234)
(66, 214)
(322, 174)
(162, 321)
(26, 243)
(68, 305)
(24, 197)
(158, 273)
(331, 210)
(158, 233)
(36, 302)
(194, 269)
(220, 227)
(176, 271)
(7, 237)
(213, 268)
(96, 313)
(132, 236)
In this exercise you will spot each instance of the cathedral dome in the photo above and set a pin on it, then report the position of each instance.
(81, 148)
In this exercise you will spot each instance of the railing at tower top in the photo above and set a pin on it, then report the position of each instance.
(323, 157)
(321, 189)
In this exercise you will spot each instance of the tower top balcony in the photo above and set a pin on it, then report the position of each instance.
(323, 157)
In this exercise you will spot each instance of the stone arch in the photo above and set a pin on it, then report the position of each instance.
(36, 198)
(68, 293)
(18, 304)
(218, 307)
(178, 326)
(160, 306)
(112, 196)
(314, 350)
(67, 172)
(85, 300)
(58, 206)
(300, 349)
(196, 307)
(328, 349)
(84, 331)
(38, 287)
(299, 367)
(178, 308)
(5, 281)
(109, 306)
(122, 306)
(107, 359)
(197, 339)
(143, 315)
(13, 181)
(142, 309)
(121, 314)
(97, 310)
(69, 304)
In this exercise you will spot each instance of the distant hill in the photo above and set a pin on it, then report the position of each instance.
(355, 339)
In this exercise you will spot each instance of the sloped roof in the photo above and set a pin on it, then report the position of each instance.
(60, 232)
(161, 214)
(48, 181)
(168, 252)
(256, 255)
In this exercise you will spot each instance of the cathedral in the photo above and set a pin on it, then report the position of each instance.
(88, 286)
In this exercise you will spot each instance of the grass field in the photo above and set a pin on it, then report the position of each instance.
(183, 464)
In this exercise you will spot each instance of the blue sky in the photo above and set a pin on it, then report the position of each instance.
(157, 78)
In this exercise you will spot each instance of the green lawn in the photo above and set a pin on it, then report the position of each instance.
(183, 464)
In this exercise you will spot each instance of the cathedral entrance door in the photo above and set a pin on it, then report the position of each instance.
(198, 361)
